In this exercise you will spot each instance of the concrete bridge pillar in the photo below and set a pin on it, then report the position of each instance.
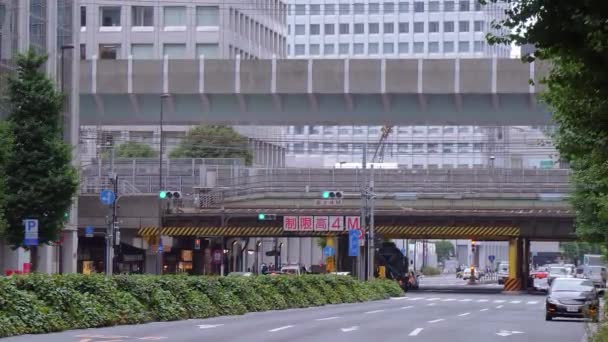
(519, 252)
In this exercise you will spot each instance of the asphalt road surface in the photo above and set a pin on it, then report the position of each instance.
(419, 316)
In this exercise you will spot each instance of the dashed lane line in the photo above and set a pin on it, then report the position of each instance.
(464, 314)
(417, 298)
(484, 310)
(353, 328)
(532, 302)
(407, 307)
(499, 301)
(373, 312)
(436, 320)
(327, 318)
(431, 304)
(482, 300)
(433, 299)
(499, 306)
(416, 331)
(399, 298)
(465, 300)
(280, 328)
(449, 300)
(515, 301)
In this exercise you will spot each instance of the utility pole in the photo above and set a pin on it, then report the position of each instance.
(371, 249)
(112, 229)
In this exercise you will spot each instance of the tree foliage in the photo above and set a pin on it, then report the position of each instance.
(133, 149)
(41, 182)
(573, 37)
(444, 250)
(213, 142)
(574, 251)
(5, 150)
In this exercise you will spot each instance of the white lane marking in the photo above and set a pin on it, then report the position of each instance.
(280, 328)
(464, 314)
(436, 320)
(449, 300)
(484, 309)
(499, 307)
(373, 312)
(431, 304)
(415, 332)
(418, 298)
(499, 301)
(209, 326)
(465, 300)
(406, 307)
(353, 328)
(533, 302)
(327, 318)
(515, 301)
(433, 299)
(482, 300)
(399, 298)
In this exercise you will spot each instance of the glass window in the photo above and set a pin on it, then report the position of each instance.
(315, 9)
(418, 47)
(464, 6)
(389, 7)
(83, 16)
(174, 50)
(142, 16)
(432, 148)
(344, 8)
(329, 49)
(448, 130)
(300, 49)
(359, 130)
(448, 26)
(300, 9)
(463, 147)
(433, 47)
(373, 49)
(314, 129)
(419, 27)
(404, 7)
(330, 29)
(404, 27)
(344, 49)
(314, 49)
(344, 130)
(207, 16)
(433, 130)
(109, 51)
(344, 28)
(358, 49)
(330, 9)
(389, 28)
(478, 46)
(478, 6)
(417, 147)
(209, 50)
(477, 147)
(404, 47)
(110, 16)
(448, 47)
(448, 148)
(315, 29)
(418, 6)
(464, 47)
(479, 25)
(433, 6)
(343, 148)
(142, 51)
(83, 51)
(298, 147)
(357, 147)
(448, 6)
(463, 26)
(298, 129)
(174, 16)
(433, 26)
(300, 30)
(359, 8)
(402, 148)
(388, 48)
(359, 28)
(374, 8)
(373, 28)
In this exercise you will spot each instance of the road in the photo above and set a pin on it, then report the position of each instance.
(421, 316)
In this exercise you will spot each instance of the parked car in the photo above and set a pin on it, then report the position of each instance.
(502, 272)
(572, 297)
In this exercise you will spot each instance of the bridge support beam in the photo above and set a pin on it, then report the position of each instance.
(519, 251)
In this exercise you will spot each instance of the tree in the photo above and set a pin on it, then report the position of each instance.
(133, 149)
(213, 142)
(5, 150)
(573, 36)
(444, 250)
(40, 182)
(574, 251)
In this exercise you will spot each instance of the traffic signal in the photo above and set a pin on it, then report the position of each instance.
(197, 244)
(332, 194)
(473, 246)
(266, 217)
(165, 194)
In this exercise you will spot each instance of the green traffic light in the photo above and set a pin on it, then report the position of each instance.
(326, 194)
(261, 216)
(162, 194)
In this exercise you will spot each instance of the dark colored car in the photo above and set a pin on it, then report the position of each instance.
(572, 297)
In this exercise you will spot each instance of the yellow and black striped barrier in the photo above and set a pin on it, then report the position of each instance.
(513, 284)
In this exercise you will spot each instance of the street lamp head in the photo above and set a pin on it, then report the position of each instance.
(492, 157)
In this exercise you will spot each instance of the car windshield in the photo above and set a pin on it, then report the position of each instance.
(289, 270)
(562, 285)
(558, 271)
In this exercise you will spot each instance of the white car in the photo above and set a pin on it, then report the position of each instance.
(466, 274)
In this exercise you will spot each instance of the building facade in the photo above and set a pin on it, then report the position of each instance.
(182, 29)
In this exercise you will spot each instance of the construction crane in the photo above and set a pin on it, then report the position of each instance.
(379, 153)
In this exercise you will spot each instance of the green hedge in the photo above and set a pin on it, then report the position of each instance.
(35, 304)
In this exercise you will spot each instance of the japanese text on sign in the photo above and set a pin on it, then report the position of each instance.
(336, 223)
(290, 223)
(321, 223)
(306, 223)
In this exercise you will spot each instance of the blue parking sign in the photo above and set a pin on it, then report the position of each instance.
(353, 242)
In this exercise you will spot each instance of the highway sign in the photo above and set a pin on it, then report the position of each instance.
(107, 197)
(353, 242)
(89, 231)
(329, 251)
(306, 223)
(290, 223)
(31, 232)
(336, 223)
(321, 223)
(491, 258)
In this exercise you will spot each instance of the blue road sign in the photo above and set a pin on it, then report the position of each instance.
(107, 197)
(160, 247)
(491, 258)
(329, 251)
(353, 242)
(89, 231)
(31, 232)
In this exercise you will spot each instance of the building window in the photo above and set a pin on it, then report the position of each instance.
(433, 47)
(448, 47)
(109, 51)
(373, 28)
(433, 26)
(418, 148)
(464, 6)
(432, 148)
(404, 47)
(448, 6)
(315, 29)
(404, 27)
(344, 28)
(463, 26)
(298, 147)
(479, 25)
(207, 16)
(174, 51)
(418, 6)
(389, 28)
(343, 9)
(388, 48)
(343, 148)
(315, 9)
(374, 8)
(330, 29)
(433, 6)
(448, 130)
(358, 49)
(300, 49)
(478, 6)
(404, 7)
(359, 28)
(83, 51)
(329, 49)
(209, 50)
(83, 16)
(142, 16)
(463, 129)
(418, 47)
(419, 27)
(142, 51)
(175, 16)
(463, 147)
(448, 26)
(300, 9)
(389, 7)
(477, 147)
(448, 148)
(373, 48)
(110, 16)
(300, 30)
(298, 129)
(478, 46)
(359, 8)
(463, 47)
(343, 49)
(314, 49)
(433, 130)
(330, 9)
(314, 129)
(402, 148)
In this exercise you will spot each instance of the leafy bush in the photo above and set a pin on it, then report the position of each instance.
(430, 271)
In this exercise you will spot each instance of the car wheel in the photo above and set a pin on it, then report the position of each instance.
(548, 317)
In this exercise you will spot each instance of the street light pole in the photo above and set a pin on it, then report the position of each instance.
(63, 48)
(159, 252)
